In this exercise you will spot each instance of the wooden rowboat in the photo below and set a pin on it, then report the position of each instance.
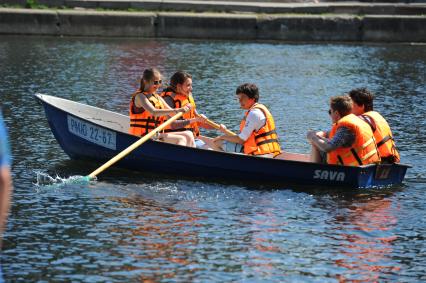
(89, 133)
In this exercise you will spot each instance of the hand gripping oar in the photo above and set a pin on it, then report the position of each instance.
(217, 127)
(133, 146)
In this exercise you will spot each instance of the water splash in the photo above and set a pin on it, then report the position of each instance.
(44, 179)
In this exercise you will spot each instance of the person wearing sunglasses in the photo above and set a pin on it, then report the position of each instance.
(178, 94)
(362, 100)
(148, 110)
(350, 140)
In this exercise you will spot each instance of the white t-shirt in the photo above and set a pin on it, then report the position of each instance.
(254, 121)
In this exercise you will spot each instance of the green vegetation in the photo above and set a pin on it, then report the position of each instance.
(136, 10)
(32, 4)
(15, 6)
(100, 9)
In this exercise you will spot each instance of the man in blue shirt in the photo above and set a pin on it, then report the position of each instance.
(344, 137)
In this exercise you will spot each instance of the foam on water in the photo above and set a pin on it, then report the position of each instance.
(44, 179)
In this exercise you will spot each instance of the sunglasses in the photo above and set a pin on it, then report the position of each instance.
(157, 82)
(329, 111)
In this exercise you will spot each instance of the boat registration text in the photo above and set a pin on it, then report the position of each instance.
(92, 133)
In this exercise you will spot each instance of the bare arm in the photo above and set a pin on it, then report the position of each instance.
(5, 194)
(228, 137)
(234, 139)
(178, 124)
(318, 140)
(183, 123)
(254, 122)
(142, 101)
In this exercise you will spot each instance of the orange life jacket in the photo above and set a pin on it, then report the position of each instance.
(382, 135)
(141, 120)
(265, 140)
(179, 101)
(363, 150)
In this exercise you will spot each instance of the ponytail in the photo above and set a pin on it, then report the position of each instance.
(170, 88)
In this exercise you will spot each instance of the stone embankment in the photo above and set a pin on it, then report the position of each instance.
(365, 22)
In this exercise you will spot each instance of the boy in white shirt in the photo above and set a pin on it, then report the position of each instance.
(257, 130)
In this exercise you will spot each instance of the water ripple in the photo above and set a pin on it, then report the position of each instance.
(128, 226)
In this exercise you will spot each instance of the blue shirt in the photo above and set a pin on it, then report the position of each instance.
(343, 137)
(4, 145)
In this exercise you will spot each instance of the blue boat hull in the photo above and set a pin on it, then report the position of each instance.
(84, 138)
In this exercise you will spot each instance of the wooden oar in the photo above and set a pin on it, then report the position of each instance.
(133, 147)
(217, 127)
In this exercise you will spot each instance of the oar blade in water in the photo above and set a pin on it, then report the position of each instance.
(44, 179)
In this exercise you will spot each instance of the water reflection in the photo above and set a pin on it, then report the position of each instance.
(364, 227)
(163, 234)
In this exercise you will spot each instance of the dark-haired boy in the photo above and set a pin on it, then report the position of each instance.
(257, 129)
(362, 100)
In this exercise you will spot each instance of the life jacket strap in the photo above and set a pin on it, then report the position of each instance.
(142, 126)
(340, 160)
(356, 156)
(265, 134)
(141, 120)
(384, 140)
(369, 121)
(266, 141)
(354, 151)
(368, 155)
(367, 143)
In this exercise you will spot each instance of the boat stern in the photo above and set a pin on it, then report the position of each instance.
(382, 175)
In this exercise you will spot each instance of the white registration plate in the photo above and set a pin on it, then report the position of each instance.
(92, 132)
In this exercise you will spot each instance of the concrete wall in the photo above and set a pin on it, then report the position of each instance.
(29, 22)
(106, 23)
(310, 28)
(214, 25)
(395, 28)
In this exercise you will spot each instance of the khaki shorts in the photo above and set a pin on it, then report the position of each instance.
(232, 147)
